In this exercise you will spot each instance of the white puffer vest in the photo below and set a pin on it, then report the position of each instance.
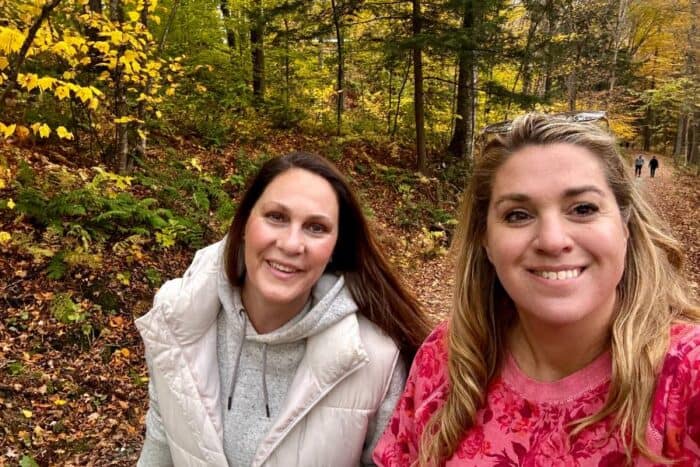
(339, 384)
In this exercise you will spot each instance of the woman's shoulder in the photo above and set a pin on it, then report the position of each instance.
(676, 404)
(429, 369)
(685, 341)
(681, 365)
(374, 338)
(435, 345)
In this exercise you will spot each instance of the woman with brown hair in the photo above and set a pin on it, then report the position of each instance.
(285, 344)
(573, 340)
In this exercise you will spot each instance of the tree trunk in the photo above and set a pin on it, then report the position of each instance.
(139, 132)
(549, 53)
(230, 33)
(419, 110)
(11, 79)
(464, 116)
(168, 24)
(120, 157)
(257, 32)
(678, 147)
(647, 132)
(404, 80)
(340, 92)
(617, 40)
(694, 142)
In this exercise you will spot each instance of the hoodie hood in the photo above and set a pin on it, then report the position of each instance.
(330, 302)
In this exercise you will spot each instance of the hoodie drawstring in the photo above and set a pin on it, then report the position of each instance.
(264, 380)
(238, 358)
(238, 361)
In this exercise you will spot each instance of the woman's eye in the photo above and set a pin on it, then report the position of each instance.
(275, 216)
(585, 209)
(514, 217)
(317, 228)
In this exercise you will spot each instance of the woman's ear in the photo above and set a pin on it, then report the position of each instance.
(626, 214)
(485, 246)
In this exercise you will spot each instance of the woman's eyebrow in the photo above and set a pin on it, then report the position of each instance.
(568, 193)
(573, 192)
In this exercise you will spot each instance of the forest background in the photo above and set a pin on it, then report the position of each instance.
(128, 129)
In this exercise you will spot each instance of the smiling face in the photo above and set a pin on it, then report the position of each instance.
(289, 239)
(555, 235)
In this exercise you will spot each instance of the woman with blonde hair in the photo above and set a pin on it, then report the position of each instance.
(573, 339)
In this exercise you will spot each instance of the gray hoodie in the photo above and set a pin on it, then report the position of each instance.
(256, 370)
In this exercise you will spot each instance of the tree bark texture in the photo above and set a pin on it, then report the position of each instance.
(463, 132)
(418, 105)
(340, 91)
(230, 33)
(257, 32)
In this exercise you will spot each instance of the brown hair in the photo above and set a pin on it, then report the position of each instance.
(651, 296)
(379, 294)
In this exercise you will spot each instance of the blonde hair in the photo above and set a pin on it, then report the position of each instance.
(651, 296)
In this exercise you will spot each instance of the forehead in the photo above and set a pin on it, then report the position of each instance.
(300, 188)
(548, 169)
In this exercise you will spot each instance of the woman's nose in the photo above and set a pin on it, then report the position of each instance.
(553, 236)
(291, 241)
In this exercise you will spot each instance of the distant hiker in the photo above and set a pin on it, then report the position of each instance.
(638, 164)
(653, 165)
(286, 343)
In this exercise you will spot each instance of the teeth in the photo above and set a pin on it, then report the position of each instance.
(281, 267)
(559, 275)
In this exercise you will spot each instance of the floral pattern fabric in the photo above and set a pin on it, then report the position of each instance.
(523, 422)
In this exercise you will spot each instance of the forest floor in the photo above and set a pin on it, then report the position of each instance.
(71, 397)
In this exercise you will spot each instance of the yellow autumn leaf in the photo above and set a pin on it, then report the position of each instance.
(200, 88)
(8, 130)
(170, 92)
(159, 114)
(195, 163)
(93, 104)
(4, 63)
(27, 413)
(102, 46)
(11, 204)
(41, 129)
(64, 49)
(63, 133)
(2, 184)
(69, 74)
(28, 81)
(133, 15)
(5, 237)
(84, 94)
(125, 352)
(62, 92)
(126, 119)
(156, 19)
(45, 83)
(11, 40)
(116, 37)
(59, 402)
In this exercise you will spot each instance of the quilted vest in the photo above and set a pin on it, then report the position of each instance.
(339, 384)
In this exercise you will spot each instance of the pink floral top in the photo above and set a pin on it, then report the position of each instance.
(523, 422)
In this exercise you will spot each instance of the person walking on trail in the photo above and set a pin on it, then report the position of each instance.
(653, 165)
(638, 164)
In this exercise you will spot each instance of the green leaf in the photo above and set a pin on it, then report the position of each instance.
(28, 461)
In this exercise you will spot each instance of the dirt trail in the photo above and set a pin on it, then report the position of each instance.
(676, 195)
